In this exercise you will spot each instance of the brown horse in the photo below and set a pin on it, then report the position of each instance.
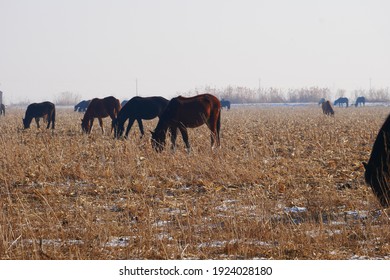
(45, 110)
(2, 109)
(100, 108)
(191, 112)
(327, 108)
(377, 173)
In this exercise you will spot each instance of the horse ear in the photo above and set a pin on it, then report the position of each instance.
(365, 165)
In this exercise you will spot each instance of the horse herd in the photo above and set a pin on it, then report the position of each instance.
(327, 107)
(181, 113)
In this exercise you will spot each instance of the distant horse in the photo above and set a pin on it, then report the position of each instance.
(100, 108)
(44, 110)
(2, 109)
(341, 101)
(322, 100)
(360, 100)
(182, 113)
(138, 108)
(377, 172)
(82, 106)
(124, 103)
(327, 108)
(225, 103)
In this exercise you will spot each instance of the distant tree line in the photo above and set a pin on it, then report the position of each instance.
(238, 94)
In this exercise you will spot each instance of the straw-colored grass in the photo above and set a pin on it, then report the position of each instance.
(287, 183)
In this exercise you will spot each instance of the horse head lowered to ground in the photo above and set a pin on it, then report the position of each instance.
(341, 101)
(40, 110)
(182, 113)
(100, 108)
(360, 100)
(138, 108)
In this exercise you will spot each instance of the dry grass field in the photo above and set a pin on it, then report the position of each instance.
(287, 183)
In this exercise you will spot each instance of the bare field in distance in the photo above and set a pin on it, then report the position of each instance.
(287, 183)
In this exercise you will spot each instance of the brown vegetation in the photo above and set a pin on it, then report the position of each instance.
(287, 183)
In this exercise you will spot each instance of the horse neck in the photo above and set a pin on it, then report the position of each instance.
(162, 125)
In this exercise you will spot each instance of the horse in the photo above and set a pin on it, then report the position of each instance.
(138, 108)
(327, 108)
(2, 109)
(225, 103)
(44, 110)
(100, 108)
(322, 100)
(182, 113)
(124, 102)
(341, 101)
(360, 100)
(82, 106)
(377, 173)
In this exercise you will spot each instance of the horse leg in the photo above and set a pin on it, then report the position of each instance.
(37, 121)
(90, 125)
(101, 124)
(129, 125)
(141, 127)
(173, 131)
(184, 134)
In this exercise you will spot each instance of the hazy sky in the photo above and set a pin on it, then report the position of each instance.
(96, 48)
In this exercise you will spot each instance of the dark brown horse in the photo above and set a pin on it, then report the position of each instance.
(138, 108)
(44, 110)
(100, 108)
(327, 108)
(2, 109)
(377, 173)
(182, 113)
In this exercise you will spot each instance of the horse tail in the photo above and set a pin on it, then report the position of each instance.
(218, 126)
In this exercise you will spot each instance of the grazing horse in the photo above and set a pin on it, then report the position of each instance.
(360, 100)
(341, 101)
(322, 100)
(377, 173)
(225, 103)
(82, 106)
(191, 112)
(327, 108)
(45, 110)
(138, 108)
(2, 109)
(100, 108)
(124, 103)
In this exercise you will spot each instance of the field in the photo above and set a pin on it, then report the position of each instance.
(287, 183)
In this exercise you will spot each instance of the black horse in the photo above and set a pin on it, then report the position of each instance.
(360, 100)
(225, 103)
(341, 101)
(377, 169)
(82, 106)
(2, 110)
(40, 110)
(138, 108)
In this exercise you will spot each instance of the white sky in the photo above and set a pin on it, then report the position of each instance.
(96, 48)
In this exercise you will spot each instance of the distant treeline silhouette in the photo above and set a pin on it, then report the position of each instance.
(237, 94)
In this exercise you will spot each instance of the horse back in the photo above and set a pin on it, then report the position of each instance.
(193, 111)
(38, 110)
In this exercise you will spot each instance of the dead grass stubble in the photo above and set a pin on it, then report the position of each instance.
(286, 184)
